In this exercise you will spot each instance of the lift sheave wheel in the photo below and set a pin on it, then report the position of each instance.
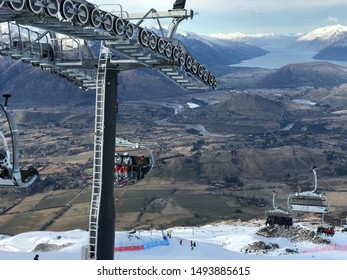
(182, 58)
(34, 6)
(119, 26)
(16, 5)
(130, 30)
(52, 8)
(67, 10)
(195, 67)
(176, 53)
(107, 22)
(144, 37)
(82, 15)
(95, 18)
(201, 70)
(168, 50)
(153, 41)
(189, 62)
(161, 45)
(205, 76)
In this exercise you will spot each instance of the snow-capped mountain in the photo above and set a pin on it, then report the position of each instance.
(315, 40)
(330, 42)
(217, 52)
(260, 40)
(322, 38)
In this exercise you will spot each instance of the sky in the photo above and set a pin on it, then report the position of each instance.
(248, 16)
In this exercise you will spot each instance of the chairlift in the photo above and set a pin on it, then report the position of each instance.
(309, 201)
(10, 172)
(278, 216)
(141, 165)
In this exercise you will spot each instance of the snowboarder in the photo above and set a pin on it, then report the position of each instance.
(36, 257)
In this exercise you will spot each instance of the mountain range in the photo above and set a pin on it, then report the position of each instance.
(217, 51)
(326, 41)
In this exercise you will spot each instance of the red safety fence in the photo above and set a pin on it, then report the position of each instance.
(129, 248)
(326, 248)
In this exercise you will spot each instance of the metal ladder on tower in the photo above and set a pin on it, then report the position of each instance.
(98, 152)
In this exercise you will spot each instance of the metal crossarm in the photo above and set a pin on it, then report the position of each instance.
(85, 21)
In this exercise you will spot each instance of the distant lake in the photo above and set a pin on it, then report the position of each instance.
(304, 101)
(279, 57)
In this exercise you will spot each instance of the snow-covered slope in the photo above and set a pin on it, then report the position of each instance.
(228, 240)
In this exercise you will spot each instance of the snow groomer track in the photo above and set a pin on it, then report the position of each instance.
(54, 35)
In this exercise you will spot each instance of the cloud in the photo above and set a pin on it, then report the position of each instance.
(227, 5)
(331, 19)
(223, 6)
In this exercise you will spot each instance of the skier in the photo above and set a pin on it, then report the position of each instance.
(127, 162)
(118, 168)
